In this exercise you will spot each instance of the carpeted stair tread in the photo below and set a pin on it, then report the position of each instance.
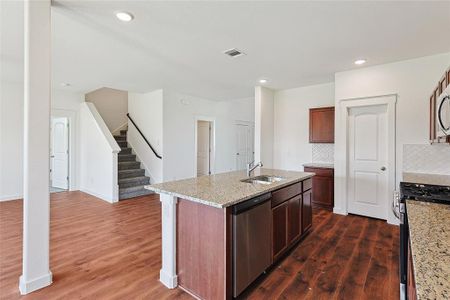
(133, 181)
(131, 173)
(127, 157)
(129, 165)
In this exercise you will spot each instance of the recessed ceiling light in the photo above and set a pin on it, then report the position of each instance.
(360, 61)
(65, 84)
(263, 81)
(124, 16)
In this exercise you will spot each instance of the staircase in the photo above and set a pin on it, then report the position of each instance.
(132, 177)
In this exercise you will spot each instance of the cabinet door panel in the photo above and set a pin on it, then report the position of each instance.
(294, 217)
(323, 191)
(307, 211)
(279, 228)
(321, 125)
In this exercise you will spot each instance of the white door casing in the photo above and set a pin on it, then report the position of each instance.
(203, 147)
(60, 153)
(367, 148)
(342, 170)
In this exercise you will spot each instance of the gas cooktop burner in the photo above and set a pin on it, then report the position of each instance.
(425, 192)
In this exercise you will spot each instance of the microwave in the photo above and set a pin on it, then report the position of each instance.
(440, 112)
(443, 114)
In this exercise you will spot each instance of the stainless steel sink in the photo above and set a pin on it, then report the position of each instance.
(263, 179)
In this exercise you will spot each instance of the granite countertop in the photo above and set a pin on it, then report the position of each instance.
(438, 179)
(320, 165)
(226, 189)
(429, 229)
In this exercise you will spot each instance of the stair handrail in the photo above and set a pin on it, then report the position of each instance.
(140, 132)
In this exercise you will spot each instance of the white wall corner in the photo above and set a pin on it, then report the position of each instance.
(264, 125)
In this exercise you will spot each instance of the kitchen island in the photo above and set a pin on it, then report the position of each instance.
(206, 239)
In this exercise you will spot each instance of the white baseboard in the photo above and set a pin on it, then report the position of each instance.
(169, 281)
(339, 211)
(35, 284)
(11, 197)
(100, 196)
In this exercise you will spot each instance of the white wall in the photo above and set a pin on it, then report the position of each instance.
(64, 103)
(147, 112)
(112, 105)
(264, 126)
(179, 115)
(291, 123)
(412, 81)
(98, 156)
(11, 141)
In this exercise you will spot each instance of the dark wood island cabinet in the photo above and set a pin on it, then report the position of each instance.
(216, 243)
(291, 216)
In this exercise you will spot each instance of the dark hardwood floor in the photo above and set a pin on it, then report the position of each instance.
(104, 251)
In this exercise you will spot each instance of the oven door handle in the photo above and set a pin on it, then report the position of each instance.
(396, 205)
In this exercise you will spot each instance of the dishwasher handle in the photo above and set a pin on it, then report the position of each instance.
(244, 206)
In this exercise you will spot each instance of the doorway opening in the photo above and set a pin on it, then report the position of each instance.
(368, 160)
(245, 136)
(59, 154)
(204, 142)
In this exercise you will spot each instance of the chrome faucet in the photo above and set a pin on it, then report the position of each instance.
(251, 166)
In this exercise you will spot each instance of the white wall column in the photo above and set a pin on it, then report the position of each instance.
(168, 274)
(36, 205)
(264, 125)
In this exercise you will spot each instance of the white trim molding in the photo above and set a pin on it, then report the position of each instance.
(168, 273)
(121, 127)
(26, 287)
(341, 149)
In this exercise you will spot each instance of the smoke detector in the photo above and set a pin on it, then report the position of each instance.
(234, 52)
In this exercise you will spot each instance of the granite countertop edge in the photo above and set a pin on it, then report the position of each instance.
(270, 188)
(319, 165)
(429, 287)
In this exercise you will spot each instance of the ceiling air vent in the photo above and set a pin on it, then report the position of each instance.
(234, 52)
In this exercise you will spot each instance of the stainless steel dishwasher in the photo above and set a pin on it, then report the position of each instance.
(251, 241)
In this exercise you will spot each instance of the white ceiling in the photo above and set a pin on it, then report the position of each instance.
(179, 45)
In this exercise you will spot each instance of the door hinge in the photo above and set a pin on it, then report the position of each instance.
(67, 178)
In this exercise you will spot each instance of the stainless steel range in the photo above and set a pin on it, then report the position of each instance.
(418, 192)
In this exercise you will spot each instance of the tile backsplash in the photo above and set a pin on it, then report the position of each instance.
(323, 153)
(432, 159)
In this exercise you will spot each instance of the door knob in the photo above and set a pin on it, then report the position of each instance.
(383, 168)
(52, 156)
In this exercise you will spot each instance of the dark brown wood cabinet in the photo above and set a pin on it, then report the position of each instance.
(294, 218)
(291, 216)
(306, 211)
(323, 187)
(279, 229)
(321, 125)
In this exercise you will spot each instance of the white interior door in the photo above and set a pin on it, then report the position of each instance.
(368, 192)
(59, 160)
(203, 148)
(244, 145)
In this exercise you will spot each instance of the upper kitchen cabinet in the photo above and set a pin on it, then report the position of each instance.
(321, 125)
